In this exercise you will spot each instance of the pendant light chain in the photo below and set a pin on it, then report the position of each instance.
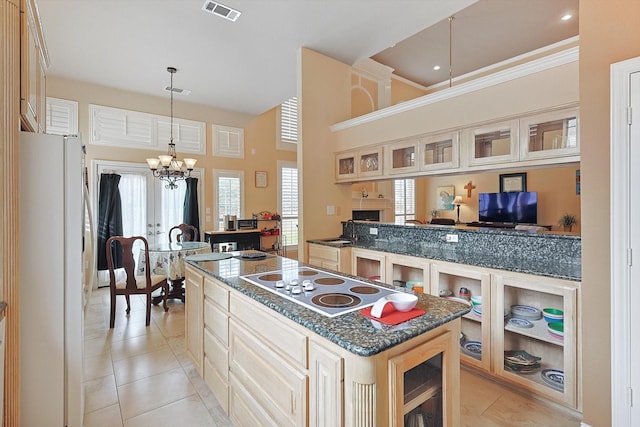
(451, 18)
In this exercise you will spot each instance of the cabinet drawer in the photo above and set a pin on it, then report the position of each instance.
(324, 252)
(243, 411)
(216, 370)
(217, 292)
(218, 385)
(283, 339)
(216, 321)
(274, 384)
(217, 355)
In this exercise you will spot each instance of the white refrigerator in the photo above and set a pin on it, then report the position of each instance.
(52, 216)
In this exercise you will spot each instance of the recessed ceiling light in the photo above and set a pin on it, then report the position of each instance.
(221, 10)
(436, 67)
(567, 17)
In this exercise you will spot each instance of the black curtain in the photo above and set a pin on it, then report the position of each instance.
(190, 209)
(109, 218)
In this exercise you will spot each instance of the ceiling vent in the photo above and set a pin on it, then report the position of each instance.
(221, 10)
(179, 91)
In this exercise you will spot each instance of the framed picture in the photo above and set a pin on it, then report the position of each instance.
(513, 182)
(445, 196)
(261, 179)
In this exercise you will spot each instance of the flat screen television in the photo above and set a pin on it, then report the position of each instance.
(518, 207)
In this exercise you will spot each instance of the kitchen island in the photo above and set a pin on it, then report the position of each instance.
(271, 361)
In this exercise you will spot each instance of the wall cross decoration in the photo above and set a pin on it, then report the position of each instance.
(469, 187)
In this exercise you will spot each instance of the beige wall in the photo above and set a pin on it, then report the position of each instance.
(260, 138)
(537, 92)
(401, 91)
(609, 32)
(324, 93)
(555, 187)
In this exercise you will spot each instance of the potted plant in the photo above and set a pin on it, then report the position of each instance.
(568, 221)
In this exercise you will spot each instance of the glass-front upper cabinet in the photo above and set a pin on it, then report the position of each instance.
(439, 152)
(370, 162)
(552, 134)
(351, 165)
(402, 156)
(346, 166)
(493, 143)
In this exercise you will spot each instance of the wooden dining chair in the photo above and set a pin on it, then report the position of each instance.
(185, 233)
(132, 284)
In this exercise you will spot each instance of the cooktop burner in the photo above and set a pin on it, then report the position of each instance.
(326, 293)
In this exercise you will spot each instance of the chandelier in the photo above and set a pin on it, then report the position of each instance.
(167, 167)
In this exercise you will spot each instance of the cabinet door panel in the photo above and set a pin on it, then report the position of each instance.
(217, 293)
(289, 343)
(216, 321)
(555, 353)
(278, 388)
(325, 387)
(194, 317)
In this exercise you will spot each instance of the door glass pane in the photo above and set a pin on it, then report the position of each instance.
(133, 194)
(171, 208)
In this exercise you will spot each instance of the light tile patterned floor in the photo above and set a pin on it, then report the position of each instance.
(139, 376)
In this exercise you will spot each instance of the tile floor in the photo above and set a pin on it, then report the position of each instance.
(141, 376)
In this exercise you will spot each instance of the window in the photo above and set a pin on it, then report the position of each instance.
(405, 200)
(62, 116)
(287, 125)
(288, 200)
(228, 194)
(228, 141)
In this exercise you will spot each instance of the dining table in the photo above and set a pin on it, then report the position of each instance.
(168, 259)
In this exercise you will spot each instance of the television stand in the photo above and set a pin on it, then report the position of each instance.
(492, 224)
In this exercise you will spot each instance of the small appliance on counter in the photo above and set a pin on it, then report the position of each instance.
(247, 224)
(230, 222)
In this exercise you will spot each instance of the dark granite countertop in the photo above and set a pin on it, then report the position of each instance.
(522, 252)
(352, 331)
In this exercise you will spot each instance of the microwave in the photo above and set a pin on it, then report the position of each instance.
(247, 224)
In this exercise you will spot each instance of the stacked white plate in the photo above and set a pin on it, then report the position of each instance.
(554, 378)
(526, 312)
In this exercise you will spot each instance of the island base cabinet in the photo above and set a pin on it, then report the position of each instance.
(272, 384)
(325, 387)
(216, 373)
(194, 321)
(419, 380)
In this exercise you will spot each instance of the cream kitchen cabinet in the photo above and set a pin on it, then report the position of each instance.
(439, 153)
(488, 324)
(216, 340)
(549, 135)
(559, 355)
(279, 372)
(33, 64)
(449, 277)
(402, 268)
(359, 165)
(193, 313)
(402, 157)
(491, 144)
(368, 264)
(332, 258)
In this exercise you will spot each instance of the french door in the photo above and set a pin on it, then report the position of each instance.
(148, 208)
